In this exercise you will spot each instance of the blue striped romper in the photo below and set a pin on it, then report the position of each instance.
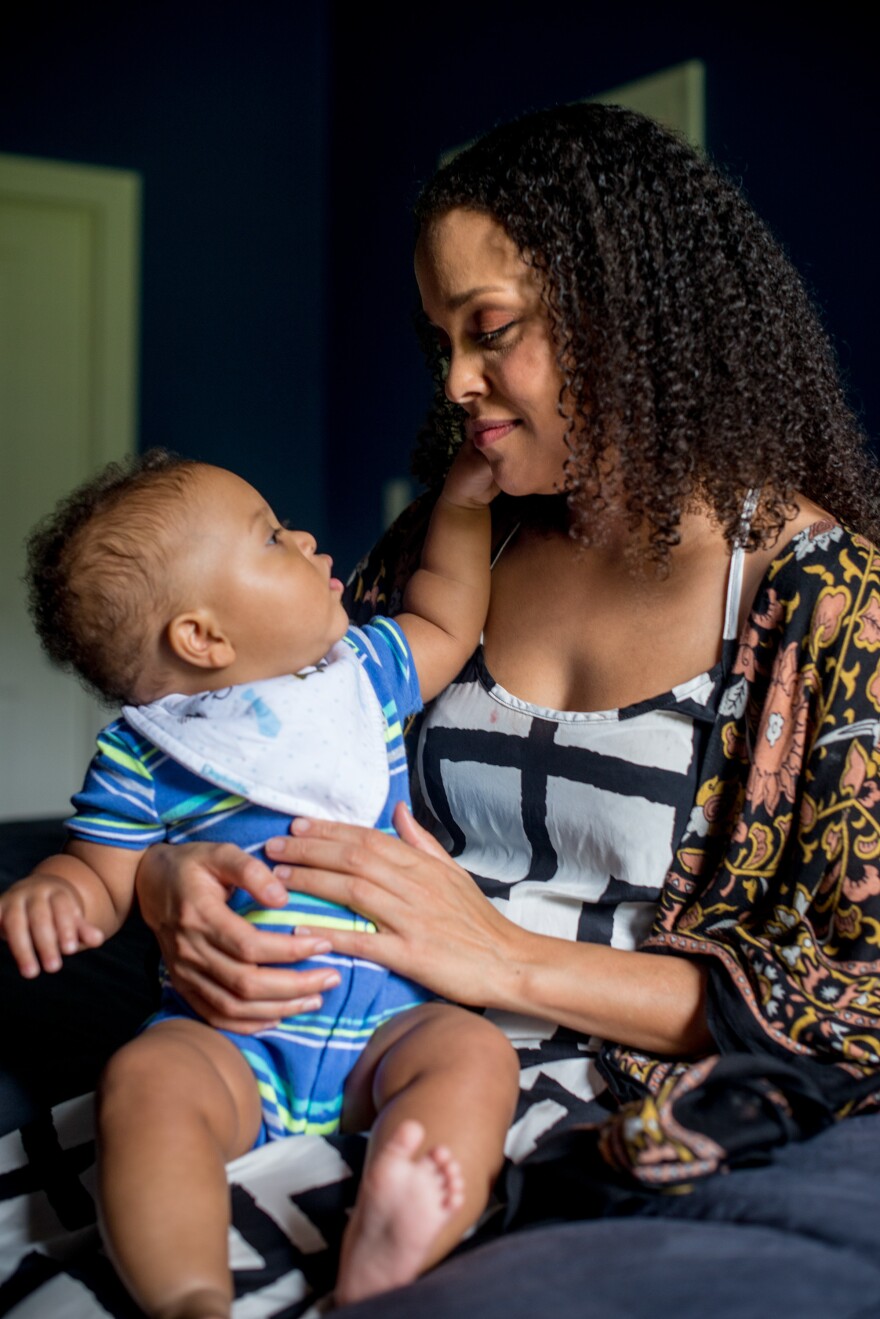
(135, 795)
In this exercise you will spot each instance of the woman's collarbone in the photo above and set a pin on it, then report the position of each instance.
(580, 641)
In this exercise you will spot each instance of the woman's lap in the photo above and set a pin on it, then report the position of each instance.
(639, 1269)
(798, 1235)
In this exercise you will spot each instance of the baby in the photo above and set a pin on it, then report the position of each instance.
(171, 588)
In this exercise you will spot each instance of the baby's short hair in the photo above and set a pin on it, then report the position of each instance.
(99, 569)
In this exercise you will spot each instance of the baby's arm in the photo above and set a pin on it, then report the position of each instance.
(446, 600)
(72, 901)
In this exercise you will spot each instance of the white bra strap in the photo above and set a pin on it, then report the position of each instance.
(735, 574)
(504, 544)
(737, 561)
(501, 548)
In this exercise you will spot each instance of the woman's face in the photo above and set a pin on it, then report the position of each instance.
(485, 304)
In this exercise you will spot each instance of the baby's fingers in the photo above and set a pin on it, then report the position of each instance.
(89, 936)
(44, 925)
(67, 920)
(72, 931)
(17, 933)
(52, 920)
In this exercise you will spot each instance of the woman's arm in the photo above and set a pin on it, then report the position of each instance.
(436, 927)
(227, 970)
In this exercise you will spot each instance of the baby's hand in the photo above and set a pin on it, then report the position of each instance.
(470, 483)
(41, 918)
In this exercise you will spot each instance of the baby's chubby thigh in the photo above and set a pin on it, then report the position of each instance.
(174, 1107)
(457, 1054)
(177, 1074)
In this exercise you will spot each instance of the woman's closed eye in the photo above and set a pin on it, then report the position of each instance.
(487, 338)
(493, 338)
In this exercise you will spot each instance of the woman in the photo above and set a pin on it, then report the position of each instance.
(672, 835)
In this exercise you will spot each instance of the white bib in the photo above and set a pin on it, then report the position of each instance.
(312, 743)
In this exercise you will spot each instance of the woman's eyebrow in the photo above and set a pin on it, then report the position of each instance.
(459, 299)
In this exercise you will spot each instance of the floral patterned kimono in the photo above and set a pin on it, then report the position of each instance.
(776, 882)
(775, 885)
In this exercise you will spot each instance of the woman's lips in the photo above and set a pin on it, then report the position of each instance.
(488, 432)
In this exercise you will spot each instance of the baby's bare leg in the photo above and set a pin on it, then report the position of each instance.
(441, 1084)
(174, 1106)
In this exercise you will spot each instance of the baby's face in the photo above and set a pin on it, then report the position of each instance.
(272, 593)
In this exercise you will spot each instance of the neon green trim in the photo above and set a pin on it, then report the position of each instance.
(115, 753)
(201, 805)
(311, 919)
(133, 826)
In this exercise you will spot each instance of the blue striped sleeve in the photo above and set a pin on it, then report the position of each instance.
(117, 803)
(385, 653)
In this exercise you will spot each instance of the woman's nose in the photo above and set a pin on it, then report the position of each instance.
(466, 377)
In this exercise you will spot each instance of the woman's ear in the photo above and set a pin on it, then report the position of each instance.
(197, 638)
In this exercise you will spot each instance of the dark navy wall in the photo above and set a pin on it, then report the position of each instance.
(222, 110)
(281, 143)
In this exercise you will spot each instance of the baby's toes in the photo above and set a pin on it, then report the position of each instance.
(406, 1139)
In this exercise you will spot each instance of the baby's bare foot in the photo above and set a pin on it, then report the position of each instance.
(403, 1203)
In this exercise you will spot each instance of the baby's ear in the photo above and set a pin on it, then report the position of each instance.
(197, 638)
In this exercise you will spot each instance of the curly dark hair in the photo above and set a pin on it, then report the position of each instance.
(689, 349)
(98, 571)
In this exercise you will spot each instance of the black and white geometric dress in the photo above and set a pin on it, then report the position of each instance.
(568, 822)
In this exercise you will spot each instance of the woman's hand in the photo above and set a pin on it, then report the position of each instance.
(434, 924)
(217, 960)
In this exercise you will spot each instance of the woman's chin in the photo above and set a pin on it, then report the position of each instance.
(521, 486)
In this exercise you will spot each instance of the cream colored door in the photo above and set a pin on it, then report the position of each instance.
(68, 319)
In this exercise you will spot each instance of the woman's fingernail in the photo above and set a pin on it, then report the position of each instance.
(330, 982)
(275, 892)
(283, 872)
(275, 846)
(300, 825)
(306, 1004)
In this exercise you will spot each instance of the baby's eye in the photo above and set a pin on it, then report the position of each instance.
(275, 536)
